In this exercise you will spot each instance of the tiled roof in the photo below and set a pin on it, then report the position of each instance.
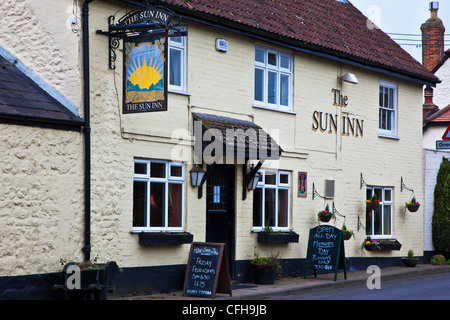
(331, 26)
(442, 115)
(21, 99)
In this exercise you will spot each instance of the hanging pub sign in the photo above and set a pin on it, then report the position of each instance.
(145, 33)
(145, 74)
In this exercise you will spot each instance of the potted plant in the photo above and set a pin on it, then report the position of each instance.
(268, 235)
(347, 233)
(410, 261)
(325, 215)
(265, 269)
(370, 244)
(412, 205)
(373, 203)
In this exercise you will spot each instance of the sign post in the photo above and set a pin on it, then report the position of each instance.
(325, 250)
(207, 270)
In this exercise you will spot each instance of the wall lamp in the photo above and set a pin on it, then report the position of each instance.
(197, 174)
(349, 77)
(253, 182)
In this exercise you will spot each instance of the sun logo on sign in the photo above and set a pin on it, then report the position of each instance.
(146, 67)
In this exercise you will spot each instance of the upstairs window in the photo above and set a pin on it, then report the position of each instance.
(177, 64)
(273, 79)
(388, 108)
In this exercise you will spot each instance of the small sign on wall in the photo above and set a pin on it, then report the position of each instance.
(302, 185)
(222, 45)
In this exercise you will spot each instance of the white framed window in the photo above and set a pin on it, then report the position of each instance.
(273, 79)
(379, 221)
(388, 108)
(177, 64)
(158, 195)
(271, 200)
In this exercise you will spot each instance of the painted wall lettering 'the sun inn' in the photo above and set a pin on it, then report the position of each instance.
(328, 122)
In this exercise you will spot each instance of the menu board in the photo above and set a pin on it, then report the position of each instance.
(325, 250)
(207, 270)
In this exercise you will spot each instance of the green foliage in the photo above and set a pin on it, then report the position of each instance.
(410, 254)
(441, 216)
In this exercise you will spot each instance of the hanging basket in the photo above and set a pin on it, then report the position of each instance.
(347, 235)
(413, 207)
(325, 217)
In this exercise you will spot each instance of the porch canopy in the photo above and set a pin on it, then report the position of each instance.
(238, 138)
(220, 140)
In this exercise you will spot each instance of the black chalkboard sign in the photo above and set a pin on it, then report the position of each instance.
(207, 270)
(326, 250)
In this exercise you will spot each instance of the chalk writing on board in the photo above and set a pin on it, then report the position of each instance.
(203, 268)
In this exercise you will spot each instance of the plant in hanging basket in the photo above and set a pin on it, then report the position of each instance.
(412, 205)
(325, 215)
(373, 203)
(347, 233)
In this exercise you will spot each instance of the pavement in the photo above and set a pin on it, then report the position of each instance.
(290, 286)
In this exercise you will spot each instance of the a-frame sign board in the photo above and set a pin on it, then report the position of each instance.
(325, 250)
(207, 270)
(446, 135)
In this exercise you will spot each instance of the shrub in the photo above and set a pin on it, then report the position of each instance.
(441, 215)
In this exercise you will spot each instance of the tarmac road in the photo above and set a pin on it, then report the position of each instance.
(423, 287)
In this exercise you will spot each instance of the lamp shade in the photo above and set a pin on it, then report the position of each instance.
(349, 77)
(197, 175)
(254, 182)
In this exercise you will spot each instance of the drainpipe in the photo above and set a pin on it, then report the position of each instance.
(87, 135)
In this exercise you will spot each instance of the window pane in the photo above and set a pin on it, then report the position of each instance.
(388, 120)
(176, 39)
(283, 208)
(140, 168)
(386, 97)
(381, 97)
(284, 178)
(284, 90)
(269, 203)
(139, 204)
(272, 87)
(175, 67)
(391, 98)
(259, 55)
(387, 220)
(157, 170)
(271, 178)
(176, 171)
(387, 195)
(272, 59)
(175, 203)
(259, 85)
(377, 222)
(257, 207)
(157, 204)
(285, 62)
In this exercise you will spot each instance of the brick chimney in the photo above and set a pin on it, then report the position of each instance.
(432, 38)
(432, 51)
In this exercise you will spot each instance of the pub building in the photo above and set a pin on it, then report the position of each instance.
(221, 122)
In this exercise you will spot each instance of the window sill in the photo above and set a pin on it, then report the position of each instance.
(160, 238)
(283, 237)
(273, 109)
(181, 92)
(388, 136)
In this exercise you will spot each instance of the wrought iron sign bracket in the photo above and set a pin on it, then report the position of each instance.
(315, 193)
(403, 186)
(151, 20)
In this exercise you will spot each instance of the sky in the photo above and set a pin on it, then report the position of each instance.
(404, 17)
